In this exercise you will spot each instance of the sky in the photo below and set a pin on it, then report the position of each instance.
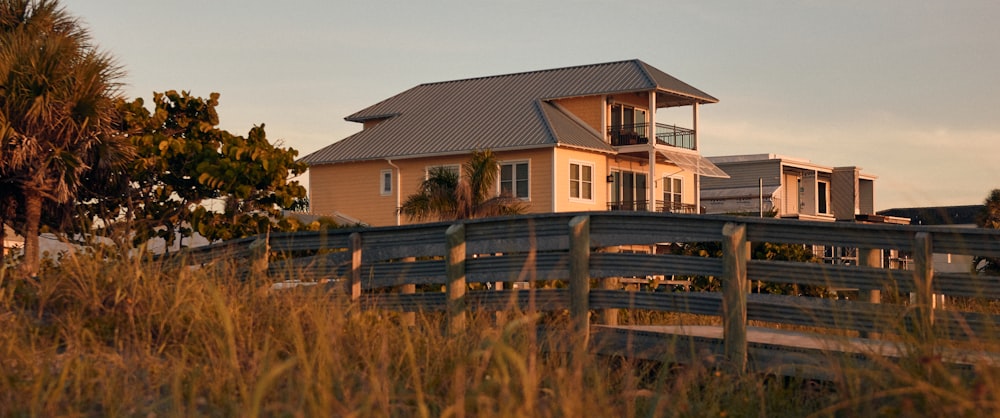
(907, 90)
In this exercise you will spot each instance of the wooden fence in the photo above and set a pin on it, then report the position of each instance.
(579, 250)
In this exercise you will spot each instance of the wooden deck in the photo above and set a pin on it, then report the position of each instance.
(770, 351)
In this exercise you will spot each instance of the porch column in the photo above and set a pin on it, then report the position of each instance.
(697, 177)
(651, 134)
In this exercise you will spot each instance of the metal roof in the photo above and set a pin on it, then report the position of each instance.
(503, 112)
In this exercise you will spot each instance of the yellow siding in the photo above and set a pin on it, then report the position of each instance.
(639, 100)
(563, 203)
(352, 189)
(662, 170)
(539, 177)
(588, 109)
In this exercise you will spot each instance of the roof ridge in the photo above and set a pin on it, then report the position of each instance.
(521, 73)
(645, 73)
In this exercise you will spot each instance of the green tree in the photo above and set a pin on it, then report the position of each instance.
(989, 218)
(190, 176)
(444, 195)
(57, 94)
(758, 251)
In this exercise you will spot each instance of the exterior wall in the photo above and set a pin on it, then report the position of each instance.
(639, 100)
(539, 176)
(351, 189)
(371, 123)
(791, 191)
(662, 170)
(746, 174)
(354, 189)
(560, 186)
(866, 196)
(844, 193)
(808, 200)
(588, 109)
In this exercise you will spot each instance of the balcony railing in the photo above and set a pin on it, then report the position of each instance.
(661, 206)
(635, 134)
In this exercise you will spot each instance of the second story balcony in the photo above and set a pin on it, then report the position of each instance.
(635, 134)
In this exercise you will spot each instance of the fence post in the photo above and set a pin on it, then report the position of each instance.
(609, 316)
(260, 252)
(734, 295)
(455, 270)
(408, 319)
(353, 285)
(870, 257)
(923, 274)
(579, 276)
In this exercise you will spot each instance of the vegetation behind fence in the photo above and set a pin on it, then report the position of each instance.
(570, 250)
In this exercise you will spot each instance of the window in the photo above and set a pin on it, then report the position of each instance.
(672, 190)
(581, 181)
(514, 179)
(385, 178)
(454, 168)
(628, 190)
(823, 196)
(627, 125)
(627, 116)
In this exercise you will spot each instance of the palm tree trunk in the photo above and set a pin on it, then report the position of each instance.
(33, 214)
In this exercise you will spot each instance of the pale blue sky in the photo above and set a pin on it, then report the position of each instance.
(907, 90)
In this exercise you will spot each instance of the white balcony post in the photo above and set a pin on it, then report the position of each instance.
(651, 134)
(697, 177)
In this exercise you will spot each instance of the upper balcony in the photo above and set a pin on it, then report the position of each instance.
(634, 134)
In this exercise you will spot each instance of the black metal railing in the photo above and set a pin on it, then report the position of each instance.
(632, 134)
(630, 205)
(635, 134)
(660, 206)
(675, 136)
(676, 207)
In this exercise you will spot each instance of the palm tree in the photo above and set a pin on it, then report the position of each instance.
(989, 218)
(446, 196)
(56, 106)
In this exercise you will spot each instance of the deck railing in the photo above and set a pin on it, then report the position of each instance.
(659, 206)
(635, 134)
(571, 247)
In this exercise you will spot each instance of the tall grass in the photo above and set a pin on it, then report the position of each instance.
(100, 336)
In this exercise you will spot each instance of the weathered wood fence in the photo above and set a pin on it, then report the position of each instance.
(579, 249)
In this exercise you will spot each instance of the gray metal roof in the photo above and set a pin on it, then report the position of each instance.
(503, 112)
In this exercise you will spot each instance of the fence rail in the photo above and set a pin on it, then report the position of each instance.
(571, 249)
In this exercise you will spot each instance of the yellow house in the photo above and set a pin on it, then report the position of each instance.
(579, 138)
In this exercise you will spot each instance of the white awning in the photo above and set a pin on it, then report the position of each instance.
(691, 161)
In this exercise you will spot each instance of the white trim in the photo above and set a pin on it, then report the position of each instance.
(554, 178)
(663, 187)
(593, 172)
(382, 182)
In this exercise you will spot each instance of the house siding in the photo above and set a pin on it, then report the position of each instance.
(540, 176)
(358, 185)
(563, 157)
(588, 109)
(351, 189)
(746, 175)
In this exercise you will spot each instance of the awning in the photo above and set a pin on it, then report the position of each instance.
(693, 162)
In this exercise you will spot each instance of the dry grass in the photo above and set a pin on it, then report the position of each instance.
(104, 337)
